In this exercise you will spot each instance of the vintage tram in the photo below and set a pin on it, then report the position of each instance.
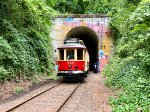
(73, 59)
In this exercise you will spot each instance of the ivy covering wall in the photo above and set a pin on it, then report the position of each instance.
(25, 45)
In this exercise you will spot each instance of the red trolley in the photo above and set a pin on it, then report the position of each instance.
(73, 59)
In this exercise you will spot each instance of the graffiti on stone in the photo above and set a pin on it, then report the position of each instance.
(61, 26)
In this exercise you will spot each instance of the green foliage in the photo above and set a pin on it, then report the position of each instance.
(4, 74)
(69, 6)
(6, 58)
(25, 45)
(129, 67)
(98, 6)
(18, 90)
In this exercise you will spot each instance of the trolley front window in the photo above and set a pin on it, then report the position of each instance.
(79, 54)
(61, 54)
(70, 54)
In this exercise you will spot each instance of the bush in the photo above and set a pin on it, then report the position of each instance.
(25, 45)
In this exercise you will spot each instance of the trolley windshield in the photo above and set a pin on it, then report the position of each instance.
(71, 54)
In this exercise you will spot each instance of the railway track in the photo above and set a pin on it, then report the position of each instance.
(17, 106)
(68, 98)
(71, 91)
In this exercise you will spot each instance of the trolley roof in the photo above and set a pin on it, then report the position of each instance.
(72, 45)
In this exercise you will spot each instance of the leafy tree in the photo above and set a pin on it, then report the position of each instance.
(69, 6)
(83, 5)
(98, 6)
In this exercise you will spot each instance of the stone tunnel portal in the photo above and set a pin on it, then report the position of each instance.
(90, 40)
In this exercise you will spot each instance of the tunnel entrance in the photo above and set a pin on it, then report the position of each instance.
(90, 40)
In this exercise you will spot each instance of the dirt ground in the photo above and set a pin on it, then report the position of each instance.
(10, 90)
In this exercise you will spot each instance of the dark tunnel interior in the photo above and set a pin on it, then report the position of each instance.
(90, 40)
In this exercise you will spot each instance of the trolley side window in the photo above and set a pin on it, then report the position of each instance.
(79, 54)
(61, 54)
(70, 54)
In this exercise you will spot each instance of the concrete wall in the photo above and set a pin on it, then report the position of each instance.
(63, 24)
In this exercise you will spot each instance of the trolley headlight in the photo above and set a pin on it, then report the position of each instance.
(69, 66)
(76, 67)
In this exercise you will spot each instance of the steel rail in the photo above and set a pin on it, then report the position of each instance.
(13, 108)
(68, 97)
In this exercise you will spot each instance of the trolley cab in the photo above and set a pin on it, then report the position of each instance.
(73, 59)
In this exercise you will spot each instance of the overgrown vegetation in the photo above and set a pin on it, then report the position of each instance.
(25, 45)
(18, 90)
(129, 69)
(69, 6)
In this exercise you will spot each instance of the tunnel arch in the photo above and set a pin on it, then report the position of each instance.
(90, 40)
